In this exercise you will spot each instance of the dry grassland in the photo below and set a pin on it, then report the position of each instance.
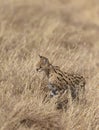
(65, 31)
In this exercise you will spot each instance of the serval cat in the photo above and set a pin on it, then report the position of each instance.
(59, 81)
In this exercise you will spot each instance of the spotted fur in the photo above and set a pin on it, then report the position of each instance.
(59, 81)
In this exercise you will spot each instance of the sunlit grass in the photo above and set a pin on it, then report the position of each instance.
(67, 33)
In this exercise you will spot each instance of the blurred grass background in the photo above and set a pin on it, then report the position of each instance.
(65, 31)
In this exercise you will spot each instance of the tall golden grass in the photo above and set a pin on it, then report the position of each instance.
(65, 31)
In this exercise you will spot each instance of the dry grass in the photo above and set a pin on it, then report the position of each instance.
(66, 32)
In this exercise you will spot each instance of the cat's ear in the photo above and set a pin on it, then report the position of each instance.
(45, 60)
(40, 56)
